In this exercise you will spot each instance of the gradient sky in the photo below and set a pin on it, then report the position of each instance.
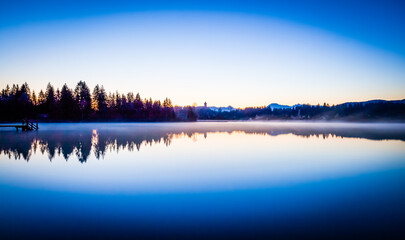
(239, 53)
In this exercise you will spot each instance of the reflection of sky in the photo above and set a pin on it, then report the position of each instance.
(222, 161)
(244, 179)
(237, 57)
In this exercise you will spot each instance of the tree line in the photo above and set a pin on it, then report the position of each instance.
(372, 111)
(80, 104)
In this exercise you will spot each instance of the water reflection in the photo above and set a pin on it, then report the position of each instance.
(82, 139)
(177, 180)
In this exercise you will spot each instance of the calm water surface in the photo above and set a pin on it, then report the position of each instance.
(205, 179)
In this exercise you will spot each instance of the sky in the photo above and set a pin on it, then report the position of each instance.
(239, 53)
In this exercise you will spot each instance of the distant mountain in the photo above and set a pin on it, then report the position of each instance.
(373, 102)
(222, 109)
(373, 110)
(278, 106)
(217, 109)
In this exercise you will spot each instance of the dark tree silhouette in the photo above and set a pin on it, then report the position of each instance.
(99, 101)
(168, 111)
(50, 99)
(139, 107)
(18, 103)
(191, 115)
(83, 99)
(67, 104)
(34, 98)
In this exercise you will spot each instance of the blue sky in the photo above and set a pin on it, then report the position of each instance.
(214, 51)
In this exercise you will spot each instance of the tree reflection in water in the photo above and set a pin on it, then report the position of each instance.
(81, 142)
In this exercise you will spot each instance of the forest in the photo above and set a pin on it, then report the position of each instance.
(80, 105)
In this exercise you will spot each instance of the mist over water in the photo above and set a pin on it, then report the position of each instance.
(242, 179)
(98, 138)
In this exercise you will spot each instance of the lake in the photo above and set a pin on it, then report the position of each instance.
(203, 180)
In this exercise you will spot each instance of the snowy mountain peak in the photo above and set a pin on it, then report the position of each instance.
(278, 106)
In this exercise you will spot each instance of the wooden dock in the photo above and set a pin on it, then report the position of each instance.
(25, 126)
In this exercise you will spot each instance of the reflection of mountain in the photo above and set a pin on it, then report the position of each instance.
(82, 140)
